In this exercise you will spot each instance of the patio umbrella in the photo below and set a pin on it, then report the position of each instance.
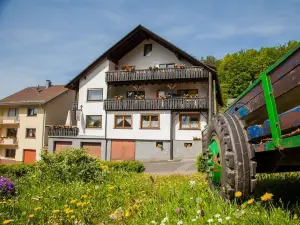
(69, 120)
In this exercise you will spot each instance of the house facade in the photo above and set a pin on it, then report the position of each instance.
(143, 99)
(24, 117)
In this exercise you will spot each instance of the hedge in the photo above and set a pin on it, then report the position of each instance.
(128, 166)
(16, 170)
(201, 163)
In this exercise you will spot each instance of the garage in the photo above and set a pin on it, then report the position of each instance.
(94, 149)
(61, 145)
(122, 150)
(29, 156)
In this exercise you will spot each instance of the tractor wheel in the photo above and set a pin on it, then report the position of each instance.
(230, 159)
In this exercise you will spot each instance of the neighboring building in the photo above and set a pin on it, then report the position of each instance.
(143, 99)
(24, 117)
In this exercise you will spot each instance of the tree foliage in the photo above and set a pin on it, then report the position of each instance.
(238, 70)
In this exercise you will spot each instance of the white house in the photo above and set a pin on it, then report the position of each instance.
(143, 99)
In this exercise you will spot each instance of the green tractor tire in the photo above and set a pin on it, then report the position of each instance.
(230, 159)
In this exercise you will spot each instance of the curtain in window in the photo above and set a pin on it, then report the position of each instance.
(119, 121)
(194, 121)
(185, 121)
(127, 122)
(12, 112)
(94, 95)
(145, 121)
(154, 121)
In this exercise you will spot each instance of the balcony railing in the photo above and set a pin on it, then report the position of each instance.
(156, 104)
(9, 119)
(8, 141)
(158, 74)
(63, 132)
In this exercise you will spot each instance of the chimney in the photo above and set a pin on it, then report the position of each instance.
(48, 84)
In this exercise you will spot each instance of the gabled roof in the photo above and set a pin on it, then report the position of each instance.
(129, 42)
(34, 95)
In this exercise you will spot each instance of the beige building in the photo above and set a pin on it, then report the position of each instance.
(24, 118)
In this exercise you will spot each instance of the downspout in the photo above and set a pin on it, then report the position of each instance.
(171, 136)
(44, 129)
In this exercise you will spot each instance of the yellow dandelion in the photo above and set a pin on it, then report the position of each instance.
(31, 216)
(55, 211)
(84, 196)
(111, 188)
(7, 221)
(72, 201)
(238, 194)
(127, 213)
(250, 201)
(79, 204)
(84, 203)
(37, 208)
(266, 197)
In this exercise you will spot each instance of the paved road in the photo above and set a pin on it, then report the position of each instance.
(171, 167)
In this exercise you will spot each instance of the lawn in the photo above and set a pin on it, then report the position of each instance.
(139, 198)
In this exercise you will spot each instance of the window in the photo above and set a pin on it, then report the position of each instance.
(10, 153)
(188, 145)
(93, 121)
(11, 132)
(159, 144)
(167, 65)
(132, 94)
(95, 94)
(30, 132)
(150, 121)
(147, 49)
(12, 112)
(189, 121)
(182, 93)
(123, 121)
(31, 112)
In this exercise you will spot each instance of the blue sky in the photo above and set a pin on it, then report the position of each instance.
(56, 39)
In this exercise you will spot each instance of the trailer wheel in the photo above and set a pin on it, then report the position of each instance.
(230, 159)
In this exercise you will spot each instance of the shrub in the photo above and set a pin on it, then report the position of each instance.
(201, 163)
(128, 166)
(6, 187)
(16, 170)
(69, 165)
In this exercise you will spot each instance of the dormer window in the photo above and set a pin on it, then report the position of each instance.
(147, 49)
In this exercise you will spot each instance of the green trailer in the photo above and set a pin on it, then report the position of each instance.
(259, 132)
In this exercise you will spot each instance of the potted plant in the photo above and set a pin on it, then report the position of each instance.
(128, 68)
(164, 96)
(139, 96)
(179, 66)
(150, 68)
(119, 97)
(196, 138)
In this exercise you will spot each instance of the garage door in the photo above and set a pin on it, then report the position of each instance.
(61, 145)
(29, 156)
(94, 149)
(122, 150)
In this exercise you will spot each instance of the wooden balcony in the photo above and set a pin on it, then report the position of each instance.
(62, 132)
(168, 74)
(156, 104)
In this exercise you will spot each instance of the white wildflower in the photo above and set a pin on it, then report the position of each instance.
(227, 218)
(220, 220)
(210, 221)
(153, 222)
(179, 222)
(191, 198)
(192, 183)
(199, 211)
(217, 215)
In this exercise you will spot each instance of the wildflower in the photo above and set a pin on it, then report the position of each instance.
(238, 194)
(31, 216)
(217, 215)
(6, 186)
(84, 203)
(250, 201)
(192, 183)
(72, 201)
(194, 220)
(79, 204)
(55, 211)
(200, 212)
(191, 198)
(266, 197)
(37, 208)
(227, 218)
(68, 210)
(127, 213)
(113, 216)
(7, 221)
(244, 206)
(220, 220)
(179, 222)
(166, 219)
(96, 187)
(153, 222)
(177, 210)
(84, 196)
(210, 221)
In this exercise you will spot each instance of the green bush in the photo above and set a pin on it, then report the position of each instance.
(201, 163)
(128, 166)
(16, 170)
(69, 165)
